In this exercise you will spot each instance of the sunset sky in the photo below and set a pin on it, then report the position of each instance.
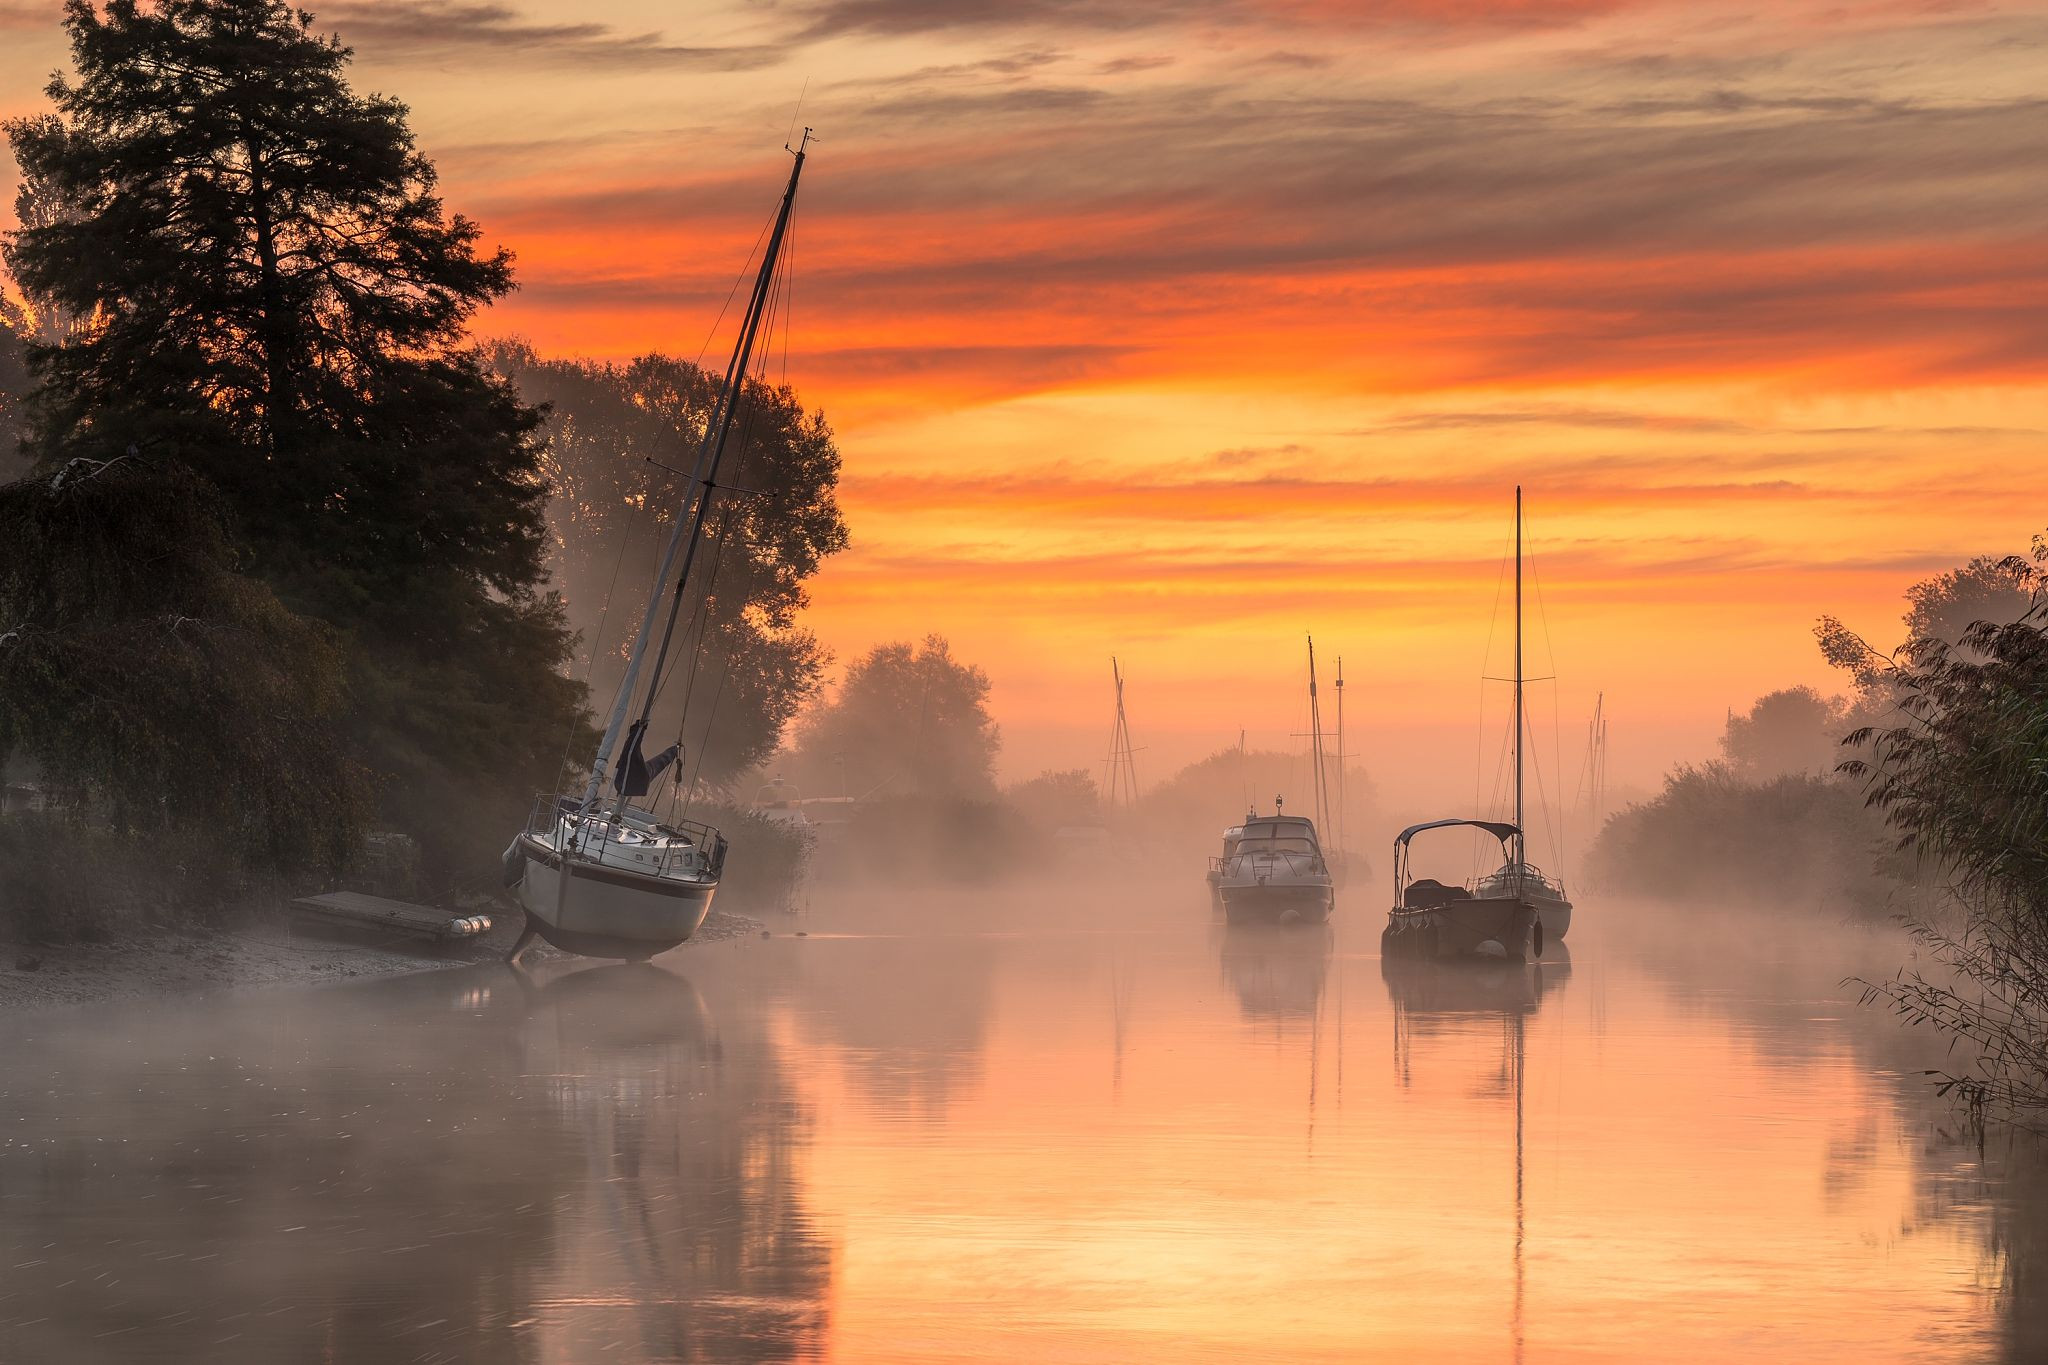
(1177, 331)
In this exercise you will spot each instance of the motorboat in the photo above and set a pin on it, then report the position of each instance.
(1273, 871)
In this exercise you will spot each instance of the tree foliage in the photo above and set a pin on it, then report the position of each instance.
(264, 287)
(906, 721)
(1791, 842)
(611, 511)
(15, 386)
(150, 680)
(1056, 798)
(1962, 776)
(1792, 730)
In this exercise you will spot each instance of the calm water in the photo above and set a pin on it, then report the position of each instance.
(1159, 1141)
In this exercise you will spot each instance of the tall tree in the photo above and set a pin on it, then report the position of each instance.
(613, 434)
(269, 291)
(1792, 730)
(906, 721)
(15, 330)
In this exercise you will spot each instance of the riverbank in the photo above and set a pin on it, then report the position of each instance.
(261, 956)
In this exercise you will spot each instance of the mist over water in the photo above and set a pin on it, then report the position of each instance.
(1026, 1123)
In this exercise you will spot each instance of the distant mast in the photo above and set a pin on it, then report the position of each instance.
(1122, 787)
(1342, 811)
(1318, 771)
(1595, 780)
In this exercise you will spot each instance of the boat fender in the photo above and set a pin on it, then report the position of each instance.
(515, 864)
(1536, 938)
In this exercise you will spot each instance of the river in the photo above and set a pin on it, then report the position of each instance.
(975, 1131)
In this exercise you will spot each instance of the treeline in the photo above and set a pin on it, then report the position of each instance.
(1773, 821)
(295, 573)
(908, 748)
(1922, 794)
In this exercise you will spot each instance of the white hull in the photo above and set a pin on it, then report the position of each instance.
(606, 911)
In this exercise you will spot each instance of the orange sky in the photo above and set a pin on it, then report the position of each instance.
(1177, 330)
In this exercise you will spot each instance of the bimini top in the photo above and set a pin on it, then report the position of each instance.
(1499, 829)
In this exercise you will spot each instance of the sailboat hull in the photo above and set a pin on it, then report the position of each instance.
(608, 912)
(1500, 929)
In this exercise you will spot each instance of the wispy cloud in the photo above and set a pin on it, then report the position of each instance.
(16, 15)
(433, 30)
(830, 18)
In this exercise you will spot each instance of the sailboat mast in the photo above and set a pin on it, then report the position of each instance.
(1337, 839)
(1315, 735)
(689, 529)
(1520, 839)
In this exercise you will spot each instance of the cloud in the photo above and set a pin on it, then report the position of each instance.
(1068, 498)
(19, 15)
(898, 18)
(433, 30)
(1247, 455)
(1554, 415)
(901, 17)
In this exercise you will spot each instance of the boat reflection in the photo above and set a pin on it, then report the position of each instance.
(1441, 998)
(690, 1238)
(1278, 971)
(617, 1007)
(1430, 994)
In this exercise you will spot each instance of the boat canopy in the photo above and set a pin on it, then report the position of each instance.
(1499, 829)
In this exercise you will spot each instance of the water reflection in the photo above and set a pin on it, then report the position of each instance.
(1276, 970)
(1121, 1141)
(458, 1166)
(1432, 997)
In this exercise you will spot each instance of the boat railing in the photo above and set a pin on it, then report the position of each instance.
(1532, 876)
(692, 846)
(1227, 865)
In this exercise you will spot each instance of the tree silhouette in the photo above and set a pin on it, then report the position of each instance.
(266, 289)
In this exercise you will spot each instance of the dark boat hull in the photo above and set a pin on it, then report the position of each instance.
(1270, 904)
(1496, 928)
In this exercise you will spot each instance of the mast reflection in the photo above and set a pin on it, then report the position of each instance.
(1433, 998)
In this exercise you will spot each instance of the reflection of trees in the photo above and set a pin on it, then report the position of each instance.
(2022, 1239)
(1789, 980)
(460, 1165)
(1277, 970)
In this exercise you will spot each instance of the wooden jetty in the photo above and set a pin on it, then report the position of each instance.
(357, 911)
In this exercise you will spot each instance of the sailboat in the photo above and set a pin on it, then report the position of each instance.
(1509, 913)
(595, 874)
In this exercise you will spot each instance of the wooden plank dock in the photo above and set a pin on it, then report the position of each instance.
(356, 910)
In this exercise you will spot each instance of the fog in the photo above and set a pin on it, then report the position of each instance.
(1068, 1097)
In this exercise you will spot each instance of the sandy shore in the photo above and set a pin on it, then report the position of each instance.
(162, 961)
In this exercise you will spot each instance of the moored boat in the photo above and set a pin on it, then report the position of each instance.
(1509, 913)
(595, 874)
(1273, 872)
(1432, 919)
